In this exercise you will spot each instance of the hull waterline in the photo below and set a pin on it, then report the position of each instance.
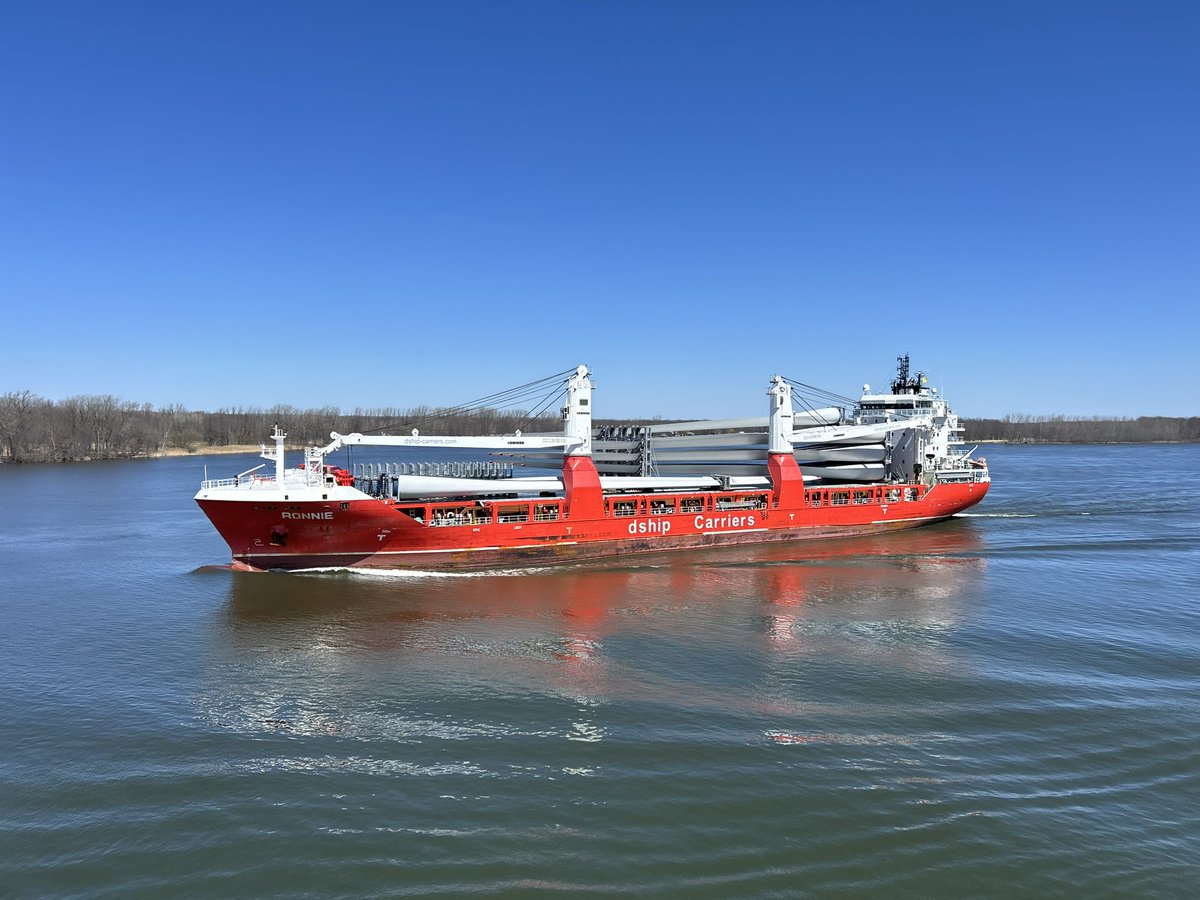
(374, 534)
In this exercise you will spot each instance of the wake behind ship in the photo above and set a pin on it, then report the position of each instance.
(895, 462)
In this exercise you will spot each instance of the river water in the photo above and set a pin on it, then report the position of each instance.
(1004, 704)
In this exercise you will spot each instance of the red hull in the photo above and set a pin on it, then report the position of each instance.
(581, 526)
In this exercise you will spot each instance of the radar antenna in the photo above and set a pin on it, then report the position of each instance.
(901, 385)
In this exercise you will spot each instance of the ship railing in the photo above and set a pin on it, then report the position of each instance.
(212, 483)
(246, 481)
(489, 469)
(459, 519)
(755, 503)
(962, 476)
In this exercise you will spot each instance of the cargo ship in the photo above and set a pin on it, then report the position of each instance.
(893, 461)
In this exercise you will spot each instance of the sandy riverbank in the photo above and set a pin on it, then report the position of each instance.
(207, 450)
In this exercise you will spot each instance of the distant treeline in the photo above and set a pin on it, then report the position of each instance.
(100, 426)
(1095, 430)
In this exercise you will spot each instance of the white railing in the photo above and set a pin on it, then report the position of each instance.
(961, 476)
(218, 483)
(246, 481)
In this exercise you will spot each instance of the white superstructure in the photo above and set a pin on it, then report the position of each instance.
(932, 442)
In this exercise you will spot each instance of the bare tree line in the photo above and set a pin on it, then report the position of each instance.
(1083, 430)
(101, 426)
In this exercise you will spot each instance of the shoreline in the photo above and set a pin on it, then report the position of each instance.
(238, 449)
(203, 450)
(168, 453)
(1021, 441)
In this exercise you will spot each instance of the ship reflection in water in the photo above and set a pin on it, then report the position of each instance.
(724, 632)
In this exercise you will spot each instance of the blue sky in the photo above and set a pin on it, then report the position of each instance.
(388, 204)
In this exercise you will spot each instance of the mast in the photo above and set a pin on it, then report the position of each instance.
(577, 414)
(901, 385)
(786, 477)
(780, 393)
(581, 481)
(279, 435)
